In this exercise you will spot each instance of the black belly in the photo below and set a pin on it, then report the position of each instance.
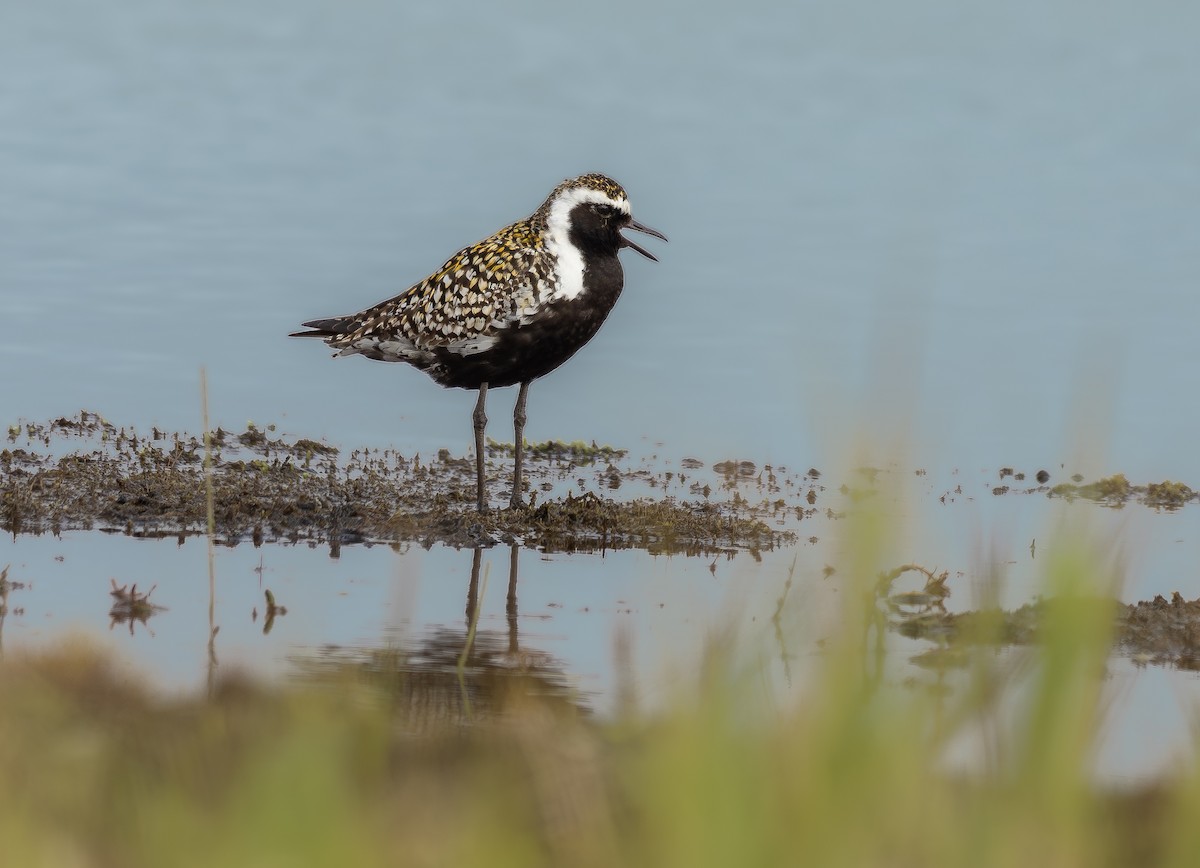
(524, 353)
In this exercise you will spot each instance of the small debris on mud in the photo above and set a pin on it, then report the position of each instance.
(273, 611)
(6, 587)
(130, 606)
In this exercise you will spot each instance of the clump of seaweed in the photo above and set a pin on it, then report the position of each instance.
(1116, 491)
(1111, 490)
(576, 451)
(271, 611)
(1167, 494)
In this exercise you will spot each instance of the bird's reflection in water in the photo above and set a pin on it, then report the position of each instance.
(457, 674)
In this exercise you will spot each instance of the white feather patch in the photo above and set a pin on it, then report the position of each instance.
(473, 345)
(398, 349)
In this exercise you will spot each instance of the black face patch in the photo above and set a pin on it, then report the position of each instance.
(594, 228)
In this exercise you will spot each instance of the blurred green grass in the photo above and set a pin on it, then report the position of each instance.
(344, 767)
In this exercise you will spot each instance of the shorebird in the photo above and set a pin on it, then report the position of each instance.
(508, 309)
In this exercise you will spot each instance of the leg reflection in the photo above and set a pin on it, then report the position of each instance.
(510, 608)
(473, 588)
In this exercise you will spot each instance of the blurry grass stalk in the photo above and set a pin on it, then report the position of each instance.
(1055, 747)
(460, 670)
(855, 770)
(212, 529)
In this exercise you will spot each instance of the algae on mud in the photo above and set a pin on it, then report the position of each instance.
(1116, 490)
(267, 488)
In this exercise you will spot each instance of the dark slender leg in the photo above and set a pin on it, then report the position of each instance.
(518, 502)
(480, 420)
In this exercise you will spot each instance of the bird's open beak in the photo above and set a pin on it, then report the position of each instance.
(641, 227)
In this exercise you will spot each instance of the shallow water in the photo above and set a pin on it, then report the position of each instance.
(967, 234)
(370, 597)
(608, 628)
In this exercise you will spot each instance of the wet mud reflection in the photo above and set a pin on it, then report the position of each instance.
(7, 587)
(1159, 631)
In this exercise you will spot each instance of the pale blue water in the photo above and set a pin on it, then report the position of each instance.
(967, 232)
(990, 207)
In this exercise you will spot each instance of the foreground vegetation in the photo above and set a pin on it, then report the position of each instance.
(367, 764)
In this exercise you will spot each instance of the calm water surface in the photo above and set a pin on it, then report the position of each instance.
(990, 211)
(964, 233)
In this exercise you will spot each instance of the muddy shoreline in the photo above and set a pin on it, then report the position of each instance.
(84, 473)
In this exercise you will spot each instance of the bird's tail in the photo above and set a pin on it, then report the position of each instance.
(326, 328)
